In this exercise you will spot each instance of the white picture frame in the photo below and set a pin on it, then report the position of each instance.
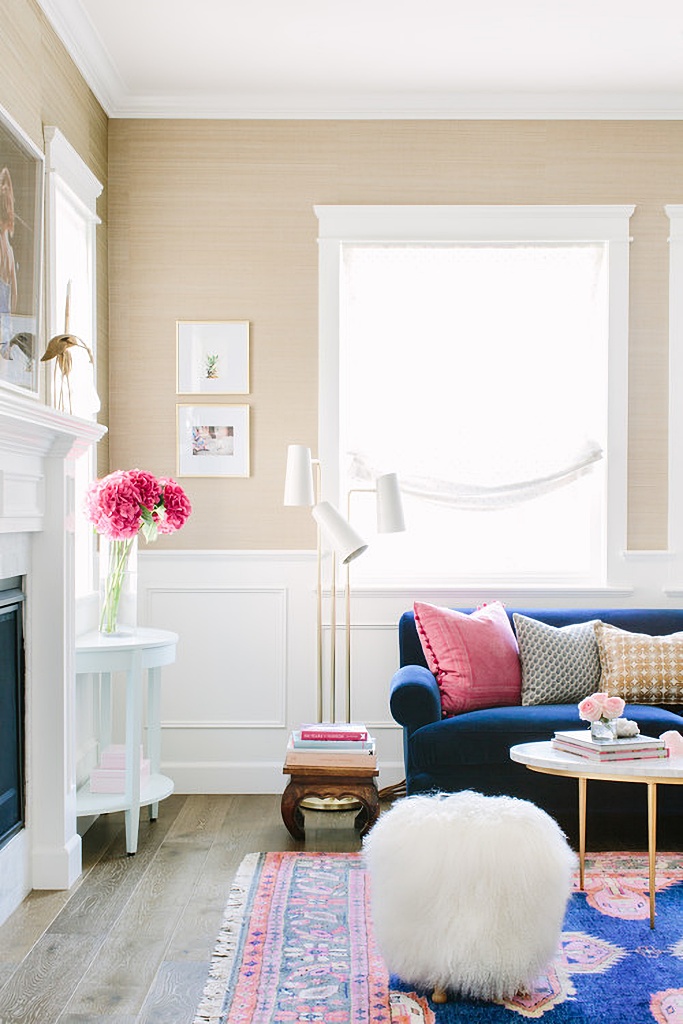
(213, 440)
(212, 357)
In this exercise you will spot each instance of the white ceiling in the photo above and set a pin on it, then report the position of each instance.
(378, 58)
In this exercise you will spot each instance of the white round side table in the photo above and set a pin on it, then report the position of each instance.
(131, 654)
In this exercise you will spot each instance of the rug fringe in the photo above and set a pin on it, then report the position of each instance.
(211, 1005)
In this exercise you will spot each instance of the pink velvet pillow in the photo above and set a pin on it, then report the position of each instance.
(474, 657)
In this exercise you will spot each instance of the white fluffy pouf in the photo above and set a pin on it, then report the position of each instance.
(468, 892)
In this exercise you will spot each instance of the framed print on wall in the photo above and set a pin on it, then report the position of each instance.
(213, 357)
(213, 440)
(21, 220)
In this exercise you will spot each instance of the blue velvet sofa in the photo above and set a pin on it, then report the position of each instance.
(471, 750)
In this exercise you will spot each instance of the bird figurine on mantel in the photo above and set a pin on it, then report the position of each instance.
(58, 349)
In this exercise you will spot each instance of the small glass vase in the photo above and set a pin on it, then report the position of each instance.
(603, 730)
(118, 586)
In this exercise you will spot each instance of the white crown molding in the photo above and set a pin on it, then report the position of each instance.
(405, 106)
(84, 44)
(87, 50)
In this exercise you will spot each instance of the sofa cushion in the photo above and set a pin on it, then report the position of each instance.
(640, 668)
(474, 657)
(485, 736)
(559, 665)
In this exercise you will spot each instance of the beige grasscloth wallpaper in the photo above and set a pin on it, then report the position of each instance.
(214, 220)
(39, 85)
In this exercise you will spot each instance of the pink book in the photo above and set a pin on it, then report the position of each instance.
(114, 756)
(334, 731)
(113, 780)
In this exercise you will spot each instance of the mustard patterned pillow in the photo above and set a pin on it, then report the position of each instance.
(639, 668)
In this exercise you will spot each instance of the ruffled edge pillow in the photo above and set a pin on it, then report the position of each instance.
(474, 657)
(641, 669)
(560, 664)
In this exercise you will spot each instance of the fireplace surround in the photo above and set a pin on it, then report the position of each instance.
(12, 765)
(38, 450)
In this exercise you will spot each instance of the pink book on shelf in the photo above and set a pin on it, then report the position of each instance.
(113, 780)
(114, 756)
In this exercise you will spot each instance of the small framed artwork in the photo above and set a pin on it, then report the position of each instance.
(21, 218)
(213, 357)
(213, 440)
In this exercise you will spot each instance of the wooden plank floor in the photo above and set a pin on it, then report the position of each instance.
(132, 941)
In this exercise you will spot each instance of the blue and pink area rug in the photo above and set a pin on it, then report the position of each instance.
(297, 945)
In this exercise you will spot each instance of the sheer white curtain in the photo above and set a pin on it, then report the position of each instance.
(478, 372)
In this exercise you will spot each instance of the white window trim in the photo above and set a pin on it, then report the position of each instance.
(610, 224)
(675, 215)
(66, 169)
(66, 172)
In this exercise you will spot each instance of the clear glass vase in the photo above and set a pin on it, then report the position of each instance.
(118, 586)
(604, 730)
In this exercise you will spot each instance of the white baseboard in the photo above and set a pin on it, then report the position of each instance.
(58, 867)
(252, 777)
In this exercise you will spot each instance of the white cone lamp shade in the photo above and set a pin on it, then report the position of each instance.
(346, 542)
(299, 476)
(389, 505)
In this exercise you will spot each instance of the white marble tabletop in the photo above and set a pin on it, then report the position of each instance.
(543, 755)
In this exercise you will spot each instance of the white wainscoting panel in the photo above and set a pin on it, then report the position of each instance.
(231, 637)
(245, 673)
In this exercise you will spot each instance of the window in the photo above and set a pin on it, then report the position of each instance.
(475, 352)
(72, 220)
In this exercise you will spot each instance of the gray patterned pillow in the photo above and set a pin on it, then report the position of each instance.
(559, 665)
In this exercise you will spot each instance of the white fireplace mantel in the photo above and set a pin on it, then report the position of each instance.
(38, 449)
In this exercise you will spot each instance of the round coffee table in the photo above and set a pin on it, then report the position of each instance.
(542, 757)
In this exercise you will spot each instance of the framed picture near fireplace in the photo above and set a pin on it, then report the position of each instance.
(21, 221)
(213, 440)
(213, 357)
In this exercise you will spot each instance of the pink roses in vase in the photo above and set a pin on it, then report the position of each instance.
(122, 505)
(601, 711)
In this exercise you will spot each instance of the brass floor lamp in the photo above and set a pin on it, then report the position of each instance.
(301, 489)
(390, 519)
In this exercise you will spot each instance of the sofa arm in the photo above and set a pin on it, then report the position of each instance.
(415, 700)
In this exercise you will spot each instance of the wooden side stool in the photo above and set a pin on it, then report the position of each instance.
(338, 775)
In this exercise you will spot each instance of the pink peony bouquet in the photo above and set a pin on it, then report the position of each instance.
(599, 707)
(131, 501)
(121, 505)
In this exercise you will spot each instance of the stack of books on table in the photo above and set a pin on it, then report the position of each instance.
(630, 748)
(340, 742)
(110, 775)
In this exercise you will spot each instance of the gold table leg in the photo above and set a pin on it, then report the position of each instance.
(652, 843)
(582, 831)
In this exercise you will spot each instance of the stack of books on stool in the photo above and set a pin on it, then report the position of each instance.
(110, 775)
(337, 743)
(628, 748)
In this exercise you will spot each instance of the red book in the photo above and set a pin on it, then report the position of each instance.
(334, 731)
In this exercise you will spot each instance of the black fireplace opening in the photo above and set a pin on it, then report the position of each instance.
(12, 796)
